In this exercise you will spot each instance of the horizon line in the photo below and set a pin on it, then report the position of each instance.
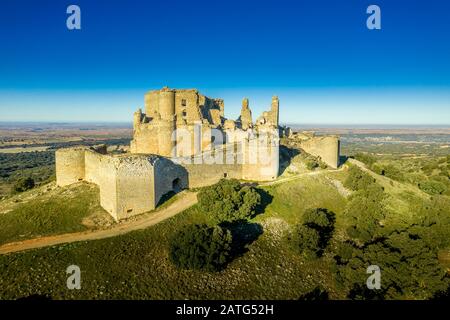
(100, 122)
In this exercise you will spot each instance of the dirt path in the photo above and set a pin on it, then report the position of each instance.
(186, 200)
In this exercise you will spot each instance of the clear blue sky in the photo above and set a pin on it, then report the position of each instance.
(316, 55)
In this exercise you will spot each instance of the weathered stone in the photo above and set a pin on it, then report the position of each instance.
(159, 162)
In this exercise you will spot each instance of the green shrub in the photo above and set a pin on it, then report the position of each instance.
(364, 212)
(24, 184)
(358, 179)
(308, 241)
(314, 232)
(318, 218)
(366, 158)
(410, 268)
(344, 252)
(229, 201)
(201, 247)
(311, 163)
(433, 187)
(389, 171)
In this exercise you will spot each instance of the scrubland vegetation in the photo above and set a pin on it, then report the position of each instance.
(430, 174)
(311, 237)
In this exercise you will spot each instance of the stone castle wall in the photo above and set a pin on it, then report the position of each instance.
(136, 182)
(168, 176)
(135, 185)
(128, 183)
(70, 165)
(107, 182)
(325, 147)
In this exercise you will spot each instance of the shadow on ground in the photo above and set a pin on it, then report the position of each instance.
(317, 294)
(244, 233)
(266, 199)
(286, 155)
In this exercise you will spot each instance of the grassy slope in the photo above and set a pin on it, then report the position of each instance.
(136, 265)
(47, 211)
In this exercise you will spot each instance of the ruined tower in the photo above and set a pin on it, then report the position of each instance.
(167, 123)
(246, 115)
(274, 110)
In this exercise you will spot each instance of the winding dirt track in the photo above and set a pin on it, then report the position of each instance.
(186, 200)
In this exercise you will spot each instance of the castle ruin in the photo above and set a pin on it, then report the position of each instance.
(181, 140)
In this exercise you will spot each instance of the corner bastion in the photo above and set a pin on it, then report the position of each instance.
(129, 184)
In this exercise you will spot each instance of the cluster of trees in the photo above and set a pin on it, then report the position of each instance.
(209, 248)
(314, 232)
(407, 254)
(438, 172)
(22, 171)
(11, 163)
(229, 201)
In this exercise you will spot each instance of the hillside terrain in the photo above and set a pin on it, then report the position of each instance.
(379, 204)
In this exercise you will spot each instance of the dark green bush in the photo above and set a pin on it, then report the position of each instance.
(308, 241)
(409, 269)
(229, 201)
(364, 213)
(314, 232)
(201, 247)
(24, 184)
(318, 218)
